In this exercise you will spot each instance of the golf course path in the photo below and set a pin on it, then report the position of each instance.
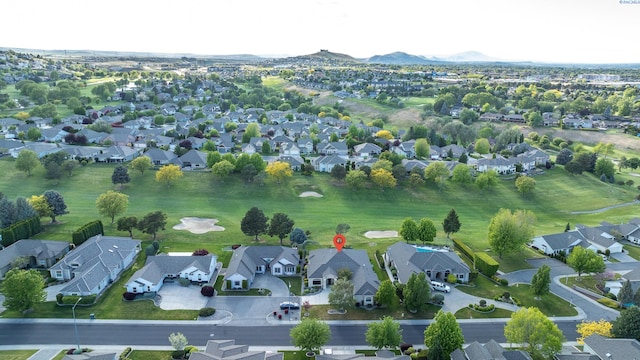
(605, 208)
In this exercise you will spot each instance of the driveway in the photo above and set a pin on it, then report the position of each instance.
(174, 296)
(622, 257)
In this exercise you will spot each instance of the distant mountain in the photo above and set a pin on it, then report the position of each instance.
(470, 56)
(328, 55)
(399, 58)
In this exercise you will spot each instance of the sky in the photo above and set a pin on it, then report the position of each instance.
(557, 31)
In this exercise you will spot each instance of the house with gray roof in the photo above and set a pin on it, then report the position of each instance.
(326, 163)
(247, 261)
(118, 154)
(192, 159)
(228, 350)
(324, 264)
(94, 264)
(437, 264)
(366, 150)
(612, 349)
(152, 275)
(37, 253)
(380, 354)
(160, 157)
(334, 148)
(489, 351)
(600, 238)
(555, 244)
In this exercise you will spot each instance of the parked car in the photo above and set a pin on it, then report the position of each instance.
(289, 305)
(438, 286)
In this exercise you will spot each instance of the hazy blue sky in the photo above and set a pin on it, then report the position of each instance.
(586, 31)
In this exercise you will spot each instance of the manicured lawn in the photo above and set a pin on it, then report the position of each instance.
(586, 281)
(634, 251)
(550, 304)
(397, 312)
(294, 355)
(149, 355)
(16, 354)
(498, 313)
(249, 292)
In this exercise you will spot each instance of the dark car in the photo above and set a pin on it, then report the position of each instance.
(289, 305)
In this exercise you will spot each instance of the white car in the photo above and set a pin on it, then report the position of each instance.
(438, 286)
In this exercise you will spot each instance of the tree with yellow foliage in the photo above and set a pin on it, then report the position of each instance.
(40, 204)
(168, 174)
(279, 170)
(383, 178)
(385, 134)
(588, 328)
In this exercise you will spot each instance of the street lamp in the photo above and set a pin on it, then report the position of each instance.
(75, 326)
(290, 310)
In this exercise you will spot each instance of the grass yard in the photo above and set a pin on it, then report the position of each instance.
(397, 312)
(150, 355)
(497, 313)
(16, 354)
(634, 251)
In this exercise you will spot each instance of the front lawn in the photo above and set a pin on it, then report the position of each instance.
(149, 355)
(397, 312)
(634, 251)
(497, 313)
(16, 354)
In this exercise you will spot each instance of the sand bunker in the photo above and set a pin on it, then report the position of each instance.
(381, 234)
(198, 225)
(310, 194)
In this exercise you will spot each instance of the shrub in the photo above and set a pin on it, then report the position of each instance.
(486, 264)
(409, 351)
(452, 278)
(611, 296)
(156, 245)
(125, 353)
(200, 252)
(184, 282)
(208, 311)
(150, 250)
(404, 347)
(189, 349)
(466, 250)
(59, 298)
(504, 282)
(506, 295)
(177, 354)
(437, 299)
(516, 301)
(208, 291)
(483, 303)
(608, 302)
(129, 295)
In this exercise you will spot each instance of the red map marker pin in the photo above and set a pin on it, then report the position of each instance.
(339, 240)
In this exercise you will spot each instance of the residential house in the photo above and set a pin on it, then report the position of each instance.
(10, 146)
(500, 164)
(117, 154)
(295, 162)
(160, 157)
(53, 134)
(247, 261)
(561, 243)
(338, 148)
(326, 163)
(42, 149)
(193, 159)
(161, 268)
(437, 264)
(289, 149)
(93, 265)
(532, 158)
(37, 253)
(366, 150)
(492, 350)
(228, 350)
(328, 354)
(612, 349)
(600, 238)
(324, 265)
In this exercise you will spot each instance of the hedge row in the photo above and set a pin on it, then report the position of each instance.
(486, 264)
(21, 230)
(86, 231)
(463, 248)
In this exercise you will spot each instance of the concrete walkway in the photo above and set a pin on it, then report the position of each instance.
(47, 354)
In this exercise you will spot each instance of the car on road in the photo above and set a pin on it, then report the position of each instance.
(289, 305)
(438, 286)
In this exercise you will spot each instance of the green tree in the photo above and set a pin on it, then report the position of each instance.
(525, 185)
(57, 204)
(338, 172)
(636, 298)
(541, 280)
(531, 327)
(627, 325)
(178, 341)
(482, 146)
(509, 232)
(416, 293)
(487, 179)
(34, 134)
(386, 293)
(152, 223)
(422, 148)
(436, 172)
(27, 161)
(280, 225)
(426, 230)
(451, 223)
(573, 167)
(625, 296)
(382, 164)
(141, 163)
(444, 332)
(127, 223)
(341, 295)
(384, 334)
(583, 260)
(409, 230)
(23, 289)
(120, 176)
(356, 179)
(298, 236)
(222, 169)
(252, 131)
(254, 223)
(310, 334)
(112, 203)
(605, 166)
(462, 174)
(213, 158)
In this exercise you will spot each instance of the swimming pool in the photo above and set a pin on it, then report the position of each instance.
(428, 249)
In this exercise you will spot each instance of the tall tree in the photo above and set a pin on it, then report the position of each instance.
(525, 185)
(7, 212)
(127, 223)
(383, 178)
(487, 179)
(509, 232)
(422, 148)
(178, 341)
(341, 295)
(40, 205)
(24, 210)
(222, 169)
(462, 174)
(338, 172)
(141, 163)
(56, 201)
(254, 223)
(23, 289)
(426, 230)
(27, 161)
(120, 176)
(384, 334)
(297, 236)
(416, 292)
(541, 281)
(625, 296)
(436, 172)
(310, 334)
(627, 325)
(585, 260)
(482, 146)
(356, 179)
(444, 333)
(409, 230)
(280, 226)
(279, 171)
(451, 223)
(112, 203)
(168, 174)
(531, 327)
(636, 298)
(152, 223)
(386, 293)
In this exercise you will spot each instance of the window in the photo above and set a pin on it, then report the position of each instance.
(236, 283)
(460, 276)
(277, 270)
(59, 274)
(317, 282)
(135, 289)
